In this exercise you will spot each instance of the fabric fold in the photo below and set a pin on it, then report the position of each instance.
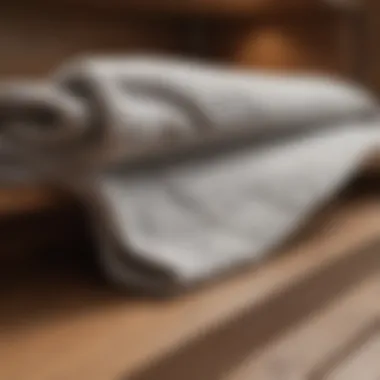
(188, 170)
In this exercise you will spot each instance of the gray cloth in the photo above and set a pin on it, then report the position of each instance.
(188, 170)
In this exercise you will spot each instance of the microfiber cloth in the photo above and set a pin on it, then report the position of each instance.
(187, 170)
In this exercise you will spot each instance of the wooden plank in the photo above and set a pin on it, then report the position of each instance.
(56, 326)
(340, 341)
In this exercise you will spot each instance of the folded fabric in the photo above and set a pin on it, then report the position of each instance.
(187, 170)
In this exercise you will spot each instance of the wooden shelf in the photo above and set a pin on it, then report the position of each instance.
(320, 292)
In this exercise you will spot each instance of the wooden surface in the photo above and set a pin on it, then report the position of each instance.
(311, 309)
(23, 199)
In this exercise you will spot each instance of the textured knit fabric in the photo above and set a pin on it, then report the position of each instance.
(188, 170)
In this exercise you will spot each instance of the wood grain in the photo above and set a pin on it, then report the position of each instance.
(296, 312)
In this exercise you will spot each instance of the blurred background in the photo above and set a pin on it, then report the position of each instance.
(56, 324)
(335, 36)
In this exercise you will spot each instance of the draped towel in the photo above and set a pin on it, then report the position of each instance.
(187, 170)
